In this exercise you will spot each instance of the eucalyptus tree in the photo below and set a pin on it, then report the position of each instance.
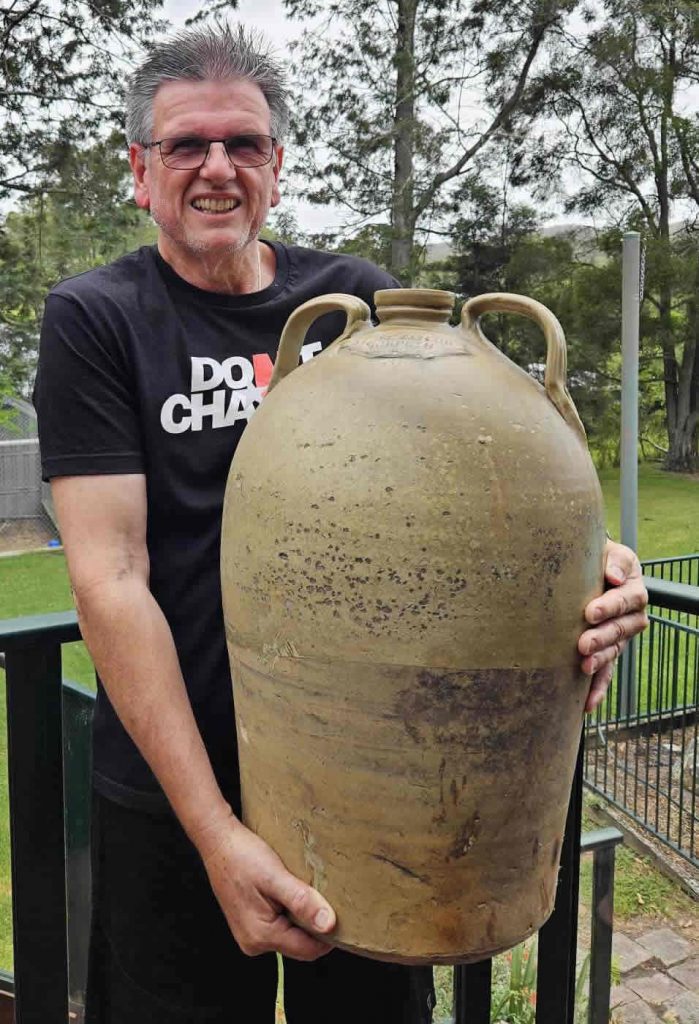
(396, 99)
(623, 89)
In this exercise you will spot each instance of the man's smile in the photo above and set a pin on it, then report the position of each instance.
(206, 204)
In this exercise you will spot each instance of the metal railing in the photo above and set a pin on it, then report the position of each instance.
(48, 768)
(682, 569)
(644, 760)
(41, 847)
(557, 940)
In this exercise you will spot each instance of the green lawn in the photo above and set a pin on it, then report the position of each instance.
(37, 583)
(668, 511)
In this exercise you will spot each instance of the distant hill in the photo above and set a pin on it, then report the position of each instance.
(582, 236)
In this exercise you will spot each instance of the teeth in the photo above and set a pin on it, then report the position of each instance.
(215, 205)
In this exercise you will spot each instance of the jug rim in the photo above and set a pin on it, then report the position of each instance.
(419, 298)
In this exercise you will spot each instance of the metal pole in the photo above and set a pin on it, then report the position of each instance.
(630, 328)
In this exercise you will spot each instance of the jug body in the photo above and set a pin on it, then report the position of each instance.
(412, 529)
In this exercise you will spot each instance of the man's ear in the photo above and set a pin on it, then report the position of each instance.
(137, 159)
(278, 159)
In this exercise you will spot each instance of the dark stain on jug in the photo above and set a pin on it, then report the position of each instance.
(465, 838)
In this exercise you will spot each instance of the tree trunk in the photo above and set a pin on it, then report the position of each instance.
(402, 207)
(682, 456)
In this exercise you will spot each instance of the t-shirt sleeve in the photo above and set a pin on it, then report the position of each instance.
(84, 396)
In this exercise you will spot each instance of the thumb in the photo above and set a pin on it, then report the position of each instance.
(305, 904)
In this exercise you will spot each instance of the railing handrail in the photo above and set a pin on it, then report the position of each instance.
(59, 627)
(668, 561)
(676, 597)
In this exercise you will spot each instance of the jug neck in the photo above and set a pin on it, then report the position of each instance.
(413, 306)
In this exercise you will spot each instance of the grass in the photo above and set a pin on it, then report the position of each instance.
(37, 583)
(639, 888)
(668, 524)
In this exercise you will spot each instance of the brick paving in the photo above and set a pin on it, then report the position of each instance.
(659, 979)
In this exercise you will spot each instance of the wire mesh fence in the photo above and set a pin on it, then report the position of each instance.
(642, 743)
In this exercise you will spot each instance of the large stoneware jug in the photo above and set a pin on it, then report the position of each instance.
(411, 531)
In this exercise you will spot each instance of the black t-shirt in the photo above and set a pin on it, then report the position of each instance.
(141, 372)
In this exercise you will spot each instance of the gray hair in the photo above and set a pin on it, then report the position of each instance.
(217, 53)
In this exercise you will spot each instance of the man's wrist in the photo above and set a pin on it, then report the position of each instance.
(207, 834)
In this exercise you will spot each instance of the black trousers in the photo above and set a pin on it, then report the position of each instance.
(161, 951)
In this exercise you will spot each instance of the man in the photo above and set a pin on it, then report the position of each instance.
(149, 370)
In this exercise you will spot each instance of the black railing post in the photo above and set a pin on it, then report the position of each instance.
(36, 821)
(558, 939)
(602, 844)
(472, 993)
(78, 706)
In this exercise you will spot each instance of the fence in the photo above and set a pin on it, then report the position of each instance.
(644, 760)
(683, 569)
(20, 479)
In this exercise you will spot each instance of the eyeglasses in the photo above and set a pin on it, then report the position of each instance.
(187, 152)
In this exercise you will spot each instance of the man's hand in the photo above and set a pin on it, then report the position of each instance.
(256, 892)
(615, 617)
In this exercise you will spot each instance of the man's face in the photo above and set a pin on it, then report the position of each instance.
(211, 110)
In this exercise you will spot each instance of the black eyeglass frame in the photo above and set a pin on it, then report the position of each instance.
(228, 138)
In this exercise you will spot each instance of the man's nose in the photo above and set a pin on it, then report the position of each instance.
(217, 164)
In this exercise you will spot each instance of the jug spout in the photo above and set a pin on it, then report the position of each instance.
(429, 305)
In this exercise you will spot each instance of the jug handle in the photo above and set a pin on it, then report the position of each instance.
(291, 341)
(556, 354)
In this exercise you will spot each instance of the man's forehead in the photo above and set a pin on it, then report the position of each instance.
(196, 106)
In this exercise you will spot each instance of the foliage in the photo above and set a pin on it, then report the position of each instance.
(55, 235)
(61, 79)
(385, 99)
(514, 990)
(514, 997)
(619, 90)
(499, 247)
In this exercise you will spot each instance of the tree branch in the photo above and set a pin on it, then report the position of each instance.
(505, 110)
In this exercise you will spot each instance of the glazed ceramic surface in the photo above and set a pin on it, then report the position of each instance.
(412, 529)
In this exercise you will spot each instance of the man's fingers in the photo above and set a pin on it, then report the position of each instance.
(630, 597)
(304, 904)
(309, 911)
(621, 562)
(599, 686)
(291, 941)
(282, 936)
(593, 663)
(611, 633)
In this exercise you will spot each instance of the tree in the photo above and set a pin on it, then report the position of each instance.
(62, 69)
(619, 90)
(85, 220)
(501, 246)
(498, 246)
(384, 91)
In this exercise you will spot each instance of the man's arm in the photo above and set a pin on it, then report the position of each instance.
(103, 527)
(615, 617)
